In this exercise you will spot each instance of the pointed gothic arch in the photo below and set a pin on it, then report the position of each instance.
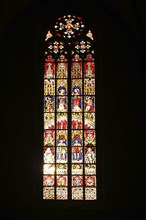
(69, 151)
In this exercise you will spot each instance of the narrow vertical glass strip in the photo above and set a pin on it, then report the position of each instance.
(89, 130)
(61, 129)
(49, 130)
(77, 128)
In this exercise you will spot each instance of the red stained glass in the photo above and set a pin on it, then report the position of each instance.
(69, 149)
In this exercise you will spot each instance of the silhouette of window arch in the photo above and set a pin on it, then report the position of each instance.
(69, 151)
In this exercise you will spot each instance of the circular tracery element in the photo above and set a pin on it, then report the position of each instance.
(69, 26)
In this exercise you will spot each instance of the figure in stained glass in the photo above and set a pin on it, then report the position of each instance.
(76, 87)
(61, 121)
(89, 103)
(49, 103)
(49, 138)
(77, 154)
(61, 138)
(90, 155)
(49, 119)
(61, 155)
(76, 104)
(89, 120)
(77, 120)
(61, 180)
(76, 70)
(49, 68)
(61, 87)
(48, 180)
(89, 70)
(49, 154)
(61, 104)
(62, 70)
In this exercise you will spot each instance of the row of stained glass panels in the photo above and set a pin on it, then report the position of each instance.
(62, 180)
(77, 154)
(62, 193)
(89, 120)
(62, 70)
(76, 104)
(89, 137)
(76, 169)
(61, 86)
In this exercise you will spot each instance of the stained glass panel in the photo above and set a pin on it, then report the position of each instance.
(49, 67)
(61, 193)
(49, 154)
(89, 138)
(61, 169)
(49, 138)
(77, 121)
(76, 68)
(89, 103)
(49, 120)
(76, 103)
(61, 70)
(48, 180)
(89, 86)
(69, 149)
(61, 104)
(90, 169)
(89, 120)
(77, 169)
(77, 193)
(61, 121)
(61, 87)
(77, 180)
(49, 169)
(90, 155)
(61, 180)
(61, 155)
(76, 87)
(77, 155)
(90, 180)
(90, 193)
(48, 193)
(49, 103)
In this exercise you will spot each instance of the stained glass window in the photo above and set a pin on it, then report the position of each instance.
(69, 150)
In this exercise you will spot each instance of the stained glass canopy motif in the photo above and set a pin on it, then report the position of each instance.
(69, 149)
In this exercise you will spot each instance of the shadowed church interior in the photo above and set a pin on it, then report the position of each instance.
(119, 38)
